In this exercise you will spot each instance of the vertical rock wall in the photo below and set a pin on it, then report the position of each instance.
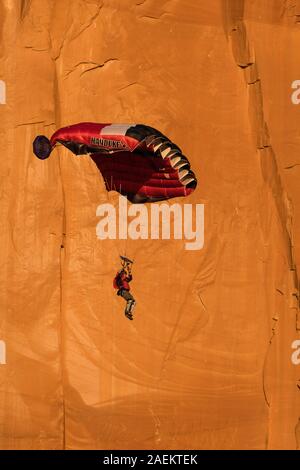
(207, 361)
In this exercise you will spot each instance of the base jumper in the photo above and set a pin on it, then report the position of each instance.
(121, 282)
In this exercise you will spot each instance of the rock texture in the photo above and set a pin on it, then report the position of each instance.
(206, 364)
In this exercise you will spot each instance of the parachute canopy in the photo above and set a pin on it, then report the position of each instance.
(136, 160)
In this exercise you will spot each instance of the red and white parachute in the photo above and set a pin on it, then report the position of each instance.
(136, 160)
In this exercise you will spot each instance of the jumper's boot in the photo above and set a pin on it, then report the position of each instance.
(129, 308)
(132, 305)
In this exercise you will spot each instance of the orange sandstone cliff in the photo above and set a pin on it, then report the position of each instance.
(207, 362)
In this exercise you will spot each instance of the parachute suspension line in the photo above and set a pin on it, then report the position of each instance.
(126, 239)
(106, 182)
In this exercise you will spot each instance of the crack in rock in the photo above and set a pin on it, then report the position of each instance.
(291, 166)
(78, 65)
(127, 86)
(36, 50)
(29, 123)
(150, 17)
(93, 18)
(94, 64)
(99, 66)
